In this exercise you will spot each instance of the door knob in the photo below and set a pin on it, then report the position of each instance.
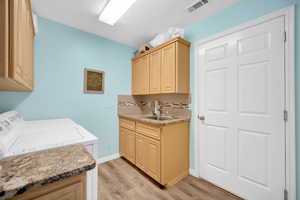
(202, 118)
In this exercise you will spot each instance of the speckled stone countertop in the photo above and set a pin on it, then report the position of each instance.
(22, 173)
(143, 118)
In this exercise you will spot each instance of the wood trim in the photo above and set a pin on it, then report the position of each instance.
(177, 39)
(53, 187)
(289, 14)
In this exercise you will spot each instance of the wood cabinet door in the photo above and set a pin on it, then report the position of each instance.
(130, 145)
(134, 77)
(127, 144)
(72, 192)
(29, 45)
(21, 42)
(122, 142)
(148, 156)
(72, 188)
(153, 158)
(140, 76)
(140, 145)
(17, 26)
(155, 68)
(4, 38)
(168, 69)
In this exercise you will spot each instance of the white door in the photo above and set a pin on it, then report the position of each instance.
(241, 96)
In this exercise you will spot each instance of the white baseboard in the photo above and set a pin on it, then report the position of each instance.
(193, 172)
(108, 158)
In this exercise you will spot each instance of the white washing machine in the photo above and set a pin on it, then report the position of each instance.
(18, 137)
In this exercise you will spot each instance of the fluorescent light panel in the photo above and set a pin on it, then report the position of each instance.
(114, 11)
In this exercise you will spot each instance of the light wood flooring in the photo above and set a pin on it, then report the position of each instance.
(120, 180)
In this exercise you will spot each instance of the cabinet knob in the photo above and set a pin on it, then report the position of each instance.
(202, 118)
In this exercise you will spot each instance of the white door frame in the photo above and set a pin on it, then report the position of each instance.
(289, 14)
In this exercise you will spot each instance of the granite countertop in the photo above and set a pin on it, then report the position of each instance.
(143, 118)
(22, 173)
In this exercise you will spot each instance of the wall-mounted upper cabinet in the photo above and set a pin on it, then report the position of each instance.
(163, 69)
(16, 53)
(140, 75)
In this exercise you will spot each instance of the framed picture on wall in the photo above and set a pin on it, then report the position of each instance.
(93, 81)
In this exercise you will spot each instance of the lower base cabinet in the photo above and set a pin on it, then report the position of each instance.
(162, 152)
(73, 188)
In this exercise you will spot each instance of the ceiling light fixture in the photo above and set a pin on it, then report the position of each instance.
(114, 10)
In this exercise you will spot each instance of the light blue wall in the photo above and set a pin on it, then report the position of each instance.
(237, 14)
(61, 53)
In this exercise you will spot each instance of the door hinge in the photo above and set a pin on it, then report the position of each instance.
(286, 194)
(285, 115)
(285, 36)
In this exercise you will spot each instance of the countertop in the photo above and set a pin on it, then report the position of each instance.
(142, 118)
(22, 173)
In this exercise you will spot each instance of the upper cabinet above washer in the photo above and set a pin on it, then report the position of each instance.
(163, 69)
(17, 52)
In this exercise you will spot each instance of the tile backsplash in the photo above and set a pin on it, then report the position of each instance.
(171, 104)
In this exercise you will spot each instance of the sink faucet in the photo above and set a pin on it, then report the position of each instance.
(156, 111)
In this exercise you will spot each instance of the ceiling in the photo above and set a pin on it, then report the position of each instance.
(143, 20)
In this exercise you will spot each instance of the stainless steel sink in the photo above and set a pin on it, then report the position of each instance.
(161, 118)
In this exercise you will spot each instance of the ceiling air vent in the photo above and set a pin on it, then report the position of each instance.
(197, 5)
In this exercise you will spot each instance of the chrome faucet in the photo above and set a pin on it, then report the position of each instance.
(156, 111)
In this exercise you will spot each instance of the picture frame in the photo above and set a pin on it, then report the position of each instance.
(93, 81)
